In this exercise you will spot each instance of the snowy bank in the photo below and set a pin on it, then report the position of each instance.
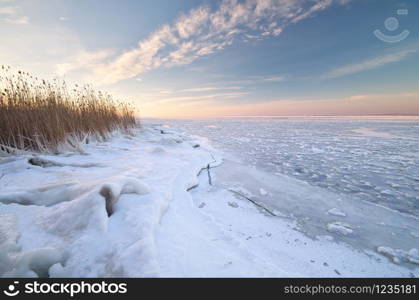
(158, 204)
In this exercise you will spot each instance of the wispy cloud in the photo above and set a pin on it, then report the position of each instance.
(83, 59)
(212, 88)
(203, 31)
(369, 64)
(199, 92)
(249, 80)
(321, 5)
(8, 10)
(10, 14)
(383, 96)
(23, 20)
(200, 98)
(273, 79)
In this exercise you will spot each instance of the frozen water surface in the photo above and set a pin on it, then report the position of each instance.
(376, 160)
(354, 180)
(275, 197)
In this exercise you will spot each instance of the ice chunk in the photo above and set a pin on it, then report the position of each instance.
(398, 255)
(336, 212)
(415, 234)
(413, 256)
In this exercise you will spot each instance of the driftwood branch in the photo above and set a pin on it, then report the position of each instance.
(255, 203)
(209, 175)
(207, 168)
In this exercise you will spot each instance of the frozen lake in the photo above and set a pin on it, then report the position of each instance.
(352, 180)
(372, 159)
(267, 201)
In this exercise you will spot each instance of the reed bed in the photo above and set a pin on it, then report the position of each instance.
(41, 116)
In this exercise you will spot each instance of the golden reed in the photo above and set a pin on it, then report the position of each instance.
(36, 115)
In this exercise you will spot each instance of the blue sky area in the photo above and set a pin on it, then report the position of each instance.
(185, 58)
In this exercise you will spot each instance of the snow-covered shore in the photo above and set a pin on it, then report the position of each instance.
(176, 215)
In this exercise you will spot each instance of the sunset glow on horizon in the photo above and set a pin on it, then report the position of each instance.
(363, 105)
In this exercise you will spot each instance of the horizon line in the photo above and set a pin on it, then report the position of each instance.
(291, 116)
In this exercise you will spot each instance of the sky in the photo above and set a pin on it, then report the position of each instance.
(201, 58)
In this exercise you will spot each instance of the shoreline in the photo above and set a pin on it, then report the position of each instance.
(156, 221)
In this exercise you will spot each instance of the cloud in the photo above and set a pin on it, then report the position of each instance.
(199, 98)
(203, 31)
(249, 80)
(10, 14)
(83, 59)
(344, 2)
(274, 79)
(19, 20)
(196, 90)
(8, 10)
(369, 64)
(47, 51)
(214, 88)
(382, 96)
(321, 5)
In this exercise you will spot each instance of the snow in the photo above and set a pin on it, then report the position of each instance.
(155, 204)
(113, 191)
(233, 204)
(36, 262)
(263, 192)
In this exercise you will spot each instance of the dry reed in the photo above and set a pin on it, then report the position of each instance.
(36, 115)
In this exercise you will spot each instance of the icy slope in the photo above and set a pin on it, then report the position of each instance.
(166, 220)
(54, 214)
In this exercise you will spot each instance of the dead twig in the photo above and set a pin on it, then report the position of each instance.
(254, 202)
